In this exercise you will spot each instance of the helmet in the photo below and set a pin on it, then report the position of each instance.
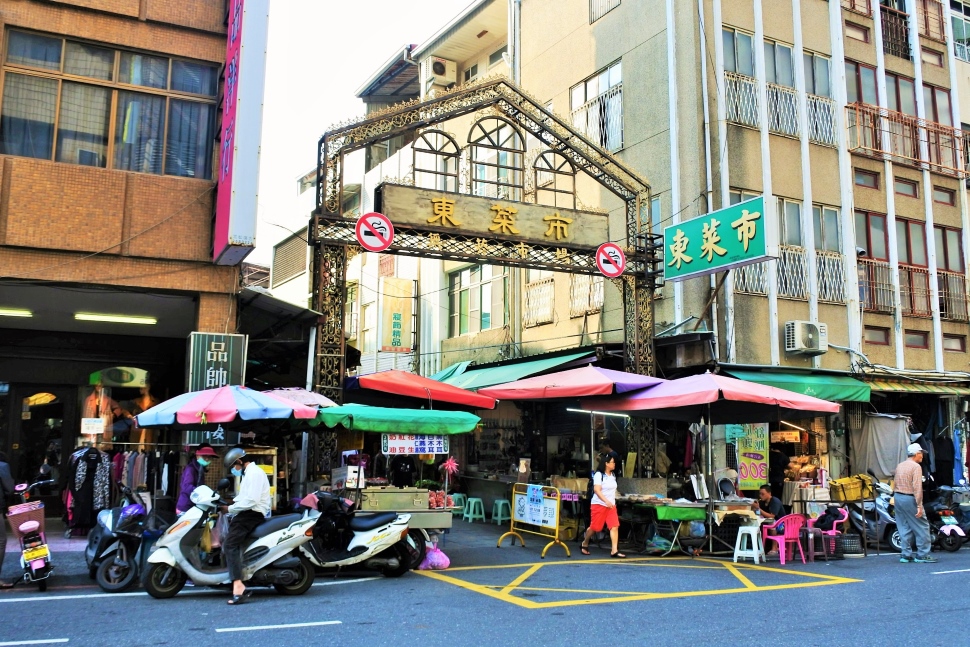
(224, 484)
(232, 456)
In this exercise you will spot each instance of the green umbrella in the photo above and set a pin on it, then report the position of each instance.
(360, 417)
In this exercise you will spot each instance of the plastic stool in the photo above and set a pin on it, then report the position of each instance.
(501, 511)
(808, 536)
(459, 500)
(474, 509)
(755, 550)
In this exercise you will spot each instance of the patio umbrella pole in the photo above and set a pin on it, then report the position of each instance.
(710, 472)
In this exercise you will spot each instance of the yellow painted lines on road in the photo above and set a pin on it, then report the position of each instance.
(521, 590)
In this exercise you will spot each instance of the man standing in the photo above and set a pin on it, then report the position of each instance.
(249, 509)
(910, 515)
(6, 490)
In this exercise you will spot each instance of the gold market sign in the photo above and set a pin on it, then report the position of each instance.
(491, 218)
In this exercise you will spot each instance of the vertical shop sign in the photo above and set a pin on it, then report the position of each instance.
(215, 360)
(397, 310)
(753, 456)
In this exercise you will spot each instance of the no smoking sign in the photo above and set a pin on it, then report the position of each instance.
(610, 260)
(374, 232)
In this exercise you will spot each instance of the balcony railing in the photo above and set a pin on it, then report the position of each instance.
(895, 32)
(585, 294)
(751, 279)
(962, 51)
(821, 120)
(540, 302)
(953, 296)
(782, 110)
(883, 134)
(914, 290)
(830, 268)
(742, 99)
(601, 119)
(875, 285)
(931, 19)
(859, 6)
(792, 273)
(599, 8)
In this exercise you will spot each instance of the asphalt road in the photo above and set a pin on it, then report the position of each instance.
(512, 597)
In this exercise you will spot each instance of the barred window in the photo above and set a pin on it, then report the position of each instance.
(289, 258)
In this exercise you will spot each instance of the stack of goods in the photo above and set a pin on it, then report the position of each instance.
(439, 500)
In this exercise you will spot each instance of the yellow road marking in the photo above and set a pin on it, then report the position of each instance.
(734, 571)
(521, 578)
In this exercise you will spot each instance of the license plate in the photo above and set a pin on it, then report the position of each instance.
(949, 520)
(36, 553)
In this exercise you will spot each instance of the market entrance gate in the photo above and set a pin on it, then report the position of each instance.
(468, 203)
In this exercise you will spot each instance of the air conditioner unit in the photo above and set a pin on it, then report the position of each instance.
(439, 71)
(806, 338)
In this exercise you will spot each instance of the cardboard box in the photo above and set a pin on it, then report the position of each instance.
(346, 478)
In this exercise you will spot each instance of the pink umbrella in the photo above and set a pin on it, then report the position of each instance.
(720, 399)
(304, 397)
(574, 383)
(223, 405)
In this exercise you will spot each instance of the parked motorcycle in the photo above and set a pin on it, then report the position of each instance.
(27, 525)
(271, 558)
(344, 537)
(945, 530)
(876, 520)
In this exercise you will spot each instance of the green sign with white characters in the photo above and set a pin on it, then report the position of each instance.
(738, 235)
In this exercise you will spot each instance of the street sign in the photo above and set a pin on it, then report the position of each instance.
(374, 232)
(738, 235)
(610, 260)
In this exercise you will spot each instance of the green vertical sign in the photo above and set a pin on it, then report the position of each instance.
(215, 360)
(738, 235)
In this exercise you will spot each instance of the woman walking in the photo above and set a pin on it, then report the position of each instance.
(602, 507)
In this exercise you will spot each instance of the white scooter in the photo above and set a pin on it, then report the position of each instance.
(272, 557)
(344, 537)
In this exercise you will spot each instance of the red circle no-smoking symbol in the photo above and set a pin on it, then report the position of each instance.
(610, 260)
(374, 232)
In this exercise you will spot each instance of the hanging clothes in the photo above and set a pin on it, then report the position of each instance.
(90, 486)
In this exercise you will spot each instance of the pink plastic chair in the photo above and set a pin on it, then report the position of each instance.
(835, 531)
(793, 524)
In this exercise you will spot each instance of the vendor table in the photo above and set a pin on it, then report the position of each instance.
(668, 519)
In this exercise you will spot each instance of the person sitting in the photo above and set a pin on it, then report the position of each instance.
(770, 507)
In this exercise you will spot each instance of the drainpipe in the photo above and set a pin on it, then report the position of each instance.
(709, 183)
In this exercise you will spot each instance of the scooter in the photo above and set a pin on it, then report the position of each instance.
(345, 537)
(944, 527)
(875, 520)
(271, 558)
(27, 524)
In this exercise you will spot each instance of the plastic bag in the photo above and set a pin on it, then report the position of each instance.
(206, 542)
(434, 560)
(221, 531)
(698, 529)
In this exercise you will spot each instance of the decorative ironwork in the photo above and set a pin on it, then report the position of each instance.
(914, 290)
(821, 120)
(831, 276)
(792, 272)
(953, 295)
(875, 285)
(497, 148)
(742, 99)
(540, 303)
(436, 160)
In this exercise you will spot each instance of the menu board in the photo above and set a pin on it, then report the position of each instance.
(414, 444)
(753, 456)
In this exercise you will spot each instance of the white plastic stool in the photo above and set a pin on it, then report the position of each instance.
(755, 549)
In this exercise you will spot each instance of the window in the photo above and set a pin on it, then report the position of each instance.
(949, 249)
(471, 73)
(789, 222)
(860, 83)
(738, 52)
(955, 343)
(937, 101)
(817, 74)
(857, 32)
(871, 235)
(477, 298)
(496, 57)
(911, 242)
(290, 258)
(901, 94)
(944, 196)
(555, 180)
(906, 188)
(596, 105)
(868, 179)
(737, 196)
(828, 237)
(370, 328)
(350, 312)
(961, 29)
(931, 57)
(778, 64)
(916, 339)
(436, 157)
(876, 335)
(496, 159)
(153, 115)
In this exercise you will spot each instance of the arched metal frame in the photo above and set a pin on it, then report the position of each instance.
(439, 146)
(332, 235)
(496, 154)
(556, 167)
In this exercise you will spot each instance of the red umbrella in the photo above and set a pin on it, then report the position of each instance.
(574, 383)
(720, 399)
(415, 386)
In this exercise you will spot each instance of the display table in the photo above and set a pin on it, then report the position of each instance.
(488, 490)
(668, 520)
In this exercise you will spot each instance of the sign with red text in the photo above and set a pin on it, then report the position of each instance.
(393, 444)
(753, 456)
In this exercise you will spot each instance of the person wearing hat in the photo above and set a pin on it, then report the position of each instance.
(193, 475)
(910, 515)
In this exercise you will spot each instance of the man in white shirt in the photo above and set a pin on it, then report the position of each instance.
(249, 509)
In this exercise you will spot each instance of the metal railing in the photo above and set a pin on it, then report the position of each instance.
(792, 272)
(875, 285)
(859, 6)
(540, 302)
(962, 51)
(601, 119)
(881, 133)
(953, 295)
(599, 8)
(895, 32)
(821, 120)
(914, 290)
(585, 294)
(830, 269)
(751, 279)
(741, 99)
(782, 110)
(931, 19)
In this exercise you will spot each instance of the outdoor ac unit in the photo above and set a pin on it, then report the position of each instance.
(806, 338)
(439, 71)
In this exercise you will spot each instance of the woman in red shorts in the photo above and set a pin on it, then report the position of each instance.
(602, 508)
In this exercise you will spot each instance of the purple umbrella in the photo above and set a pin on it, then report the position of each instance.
(574, 383)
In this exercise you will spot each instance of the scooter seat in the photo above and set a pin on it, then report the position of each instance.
(371, 521)
(28, 527)
(273, 524)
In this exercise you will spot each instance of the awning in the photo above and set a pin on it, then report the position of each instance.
(359, 417)
(834, 388)
(416, 386)
(895, 386)
(482, 377)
